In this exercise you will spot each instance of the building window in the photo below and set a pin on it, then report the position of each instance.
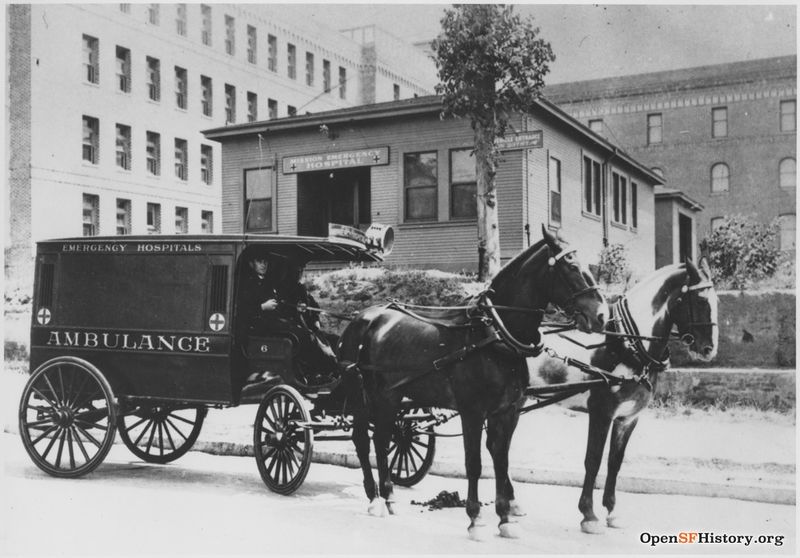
(342, 83)
(153, 153)
(291, 60)
(207, 222)
(719, 122)
(788, 116)
(181, 84)
(272, 53)
(153, 79)
(326, 76)
(206, 164)
(291, 111)
(91, 215)
(421, 181)
(396, 92)
(787, 224)
(123, 216)
(658, 171)
(309, 69)
(634, 205)
(153, 218)
(230, 35)
(463, 185)
(788, 173)
(181, 159)
(252, 106)
(180, 19)
(596, 126)
(619, 197)
(205, 89)
(230, 104)
(124, 146)
(720, 178)
(554, 178)
(592, 180)
(91, 56)
(181, 220)
(124, 69)
(259, 192)
(272, 107)
(654, 129)
(251, 44)
(125, 8)
(91, 139)
(716, 223)
(205, 33)
(153, 13)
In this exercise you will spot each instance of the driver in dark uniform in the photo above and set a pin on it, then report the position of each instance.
(258, 300)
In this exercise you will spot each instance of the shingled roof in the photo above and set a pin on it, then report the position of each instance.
(751, 71)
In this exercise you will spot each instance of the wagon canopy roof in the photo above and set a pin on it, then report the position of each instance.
(297, 248)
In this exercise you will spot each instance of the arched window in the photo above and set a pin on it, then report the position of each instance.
(788, 228)
(658, 171)
(720, 178)
(788, 173)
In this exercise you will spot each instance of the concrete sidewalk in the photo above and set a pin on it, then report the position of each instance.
(703, 454)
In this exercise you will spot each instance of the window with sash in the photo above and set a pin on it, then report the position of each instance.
(230, 35)
(91, 215)
(91, 56)
(554, 177)
(153, 154)
(181, 87)
(181, 159)
(259, 191)
(123, 216)
(788, 116)
(592, 181)
(291, 60)
(421, 182)
(206, 93)
(206, 164)
(91, 139)
(123, 69)
(124, 146)
(205, 29)
(342, 83)
(207, 222)
(272, 53)
(153, 218)
(463, 185)
(719, 122)
(326, 76)
(309, 69)
(180, 19)
(251, 44)
(720, 178)
(230, 104)
(153, 79)
(654, 129)
(181, 220)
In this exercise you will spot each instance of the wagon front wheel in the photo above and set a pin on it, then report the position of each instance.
(67, 417)
(412, 449)
(161, 433)
(282, 441)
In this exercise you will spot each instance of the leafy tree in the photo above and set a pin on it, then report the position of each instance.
(491, 64)
(741, 251)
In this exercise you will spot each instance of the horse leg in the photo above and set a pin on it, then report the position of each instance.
(499, 431)
(599, 423)
(361, 442)
(471, 426)
(381, 438)
(620, 435)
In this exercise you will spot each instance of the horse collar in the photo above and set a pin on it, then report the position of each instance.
(633, 339)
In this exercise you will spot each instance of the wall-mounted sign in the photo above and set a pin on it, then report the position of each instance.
(521, 140)
(370, 157)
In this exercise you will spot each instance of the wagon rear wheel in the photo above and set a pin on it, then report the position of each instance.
(282, 445)
(411, 450)
(67, 417)
(161, 433)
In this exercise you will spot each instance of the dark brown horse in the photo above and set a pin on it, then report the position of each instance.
(636, 349)
(471, 359)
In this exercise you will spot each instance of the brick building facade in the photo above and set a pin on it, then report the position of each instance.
(107, 101)
(724, 135)
(399, 164)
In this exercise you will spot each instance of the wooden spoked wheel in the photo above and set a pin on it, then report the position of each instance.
(282, 444)
(67, 417)
(411, 450)
(161, 433)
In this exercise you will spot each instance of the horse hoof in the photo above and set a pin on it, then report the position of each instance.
(377, 508)
(592, 527)
(614, 522)
(477, 533)
(515, 509)
(392, 508)
(509, 530)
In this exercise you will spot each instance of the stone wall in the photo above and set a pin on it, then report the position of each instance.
(764, 389)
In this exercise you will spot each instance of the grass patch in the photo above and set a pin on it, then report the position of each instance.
(736, 411)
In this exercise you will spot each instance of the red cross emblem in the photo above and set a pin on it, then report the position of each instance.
(216, 321)
(43, 316)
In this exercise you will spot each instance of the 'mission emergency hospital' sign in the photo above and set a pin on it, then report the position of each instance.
(368, 157)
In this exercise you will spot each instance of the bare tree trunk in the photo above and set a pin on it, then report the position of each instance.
(488, 231)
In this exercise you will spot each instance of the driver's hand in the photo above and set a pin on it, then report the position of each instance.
(269, 305)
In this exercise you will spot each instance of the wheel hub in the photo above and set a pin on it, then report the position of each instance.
(64, 416)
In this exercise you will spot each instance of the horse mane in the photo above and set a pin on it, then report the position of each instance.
(513, 266)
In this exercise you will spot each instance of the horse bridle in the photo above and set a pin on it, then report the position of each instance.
(687, 290)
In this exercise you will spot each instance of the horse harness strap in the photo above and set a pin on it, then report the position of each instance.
(632, 341)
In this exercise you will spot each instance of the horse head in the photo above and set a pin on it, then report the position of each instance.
(548, 273)
(693, 310)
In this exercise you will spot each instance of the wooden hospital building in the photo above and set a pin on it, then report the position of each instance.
(399, 163)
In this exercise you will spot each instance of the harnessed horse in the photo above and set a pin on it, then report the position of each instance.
(636, 349)
(465, 358)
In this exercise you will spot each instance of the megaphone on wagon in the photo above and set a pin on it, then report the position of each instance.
(377, 237)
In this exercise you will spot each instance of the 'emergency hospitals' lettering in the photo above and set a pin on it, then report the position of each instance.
(323, 161)
(163, 247)
(130, 341)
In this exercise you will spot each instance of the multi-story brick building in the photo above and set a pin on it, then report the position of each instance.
(106, 103)
(724, 135)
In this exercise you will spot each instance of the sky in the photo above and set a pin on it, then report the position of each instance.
(595, 41)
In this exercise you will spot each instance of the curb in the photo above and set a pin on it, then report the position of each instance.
(641, 485)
